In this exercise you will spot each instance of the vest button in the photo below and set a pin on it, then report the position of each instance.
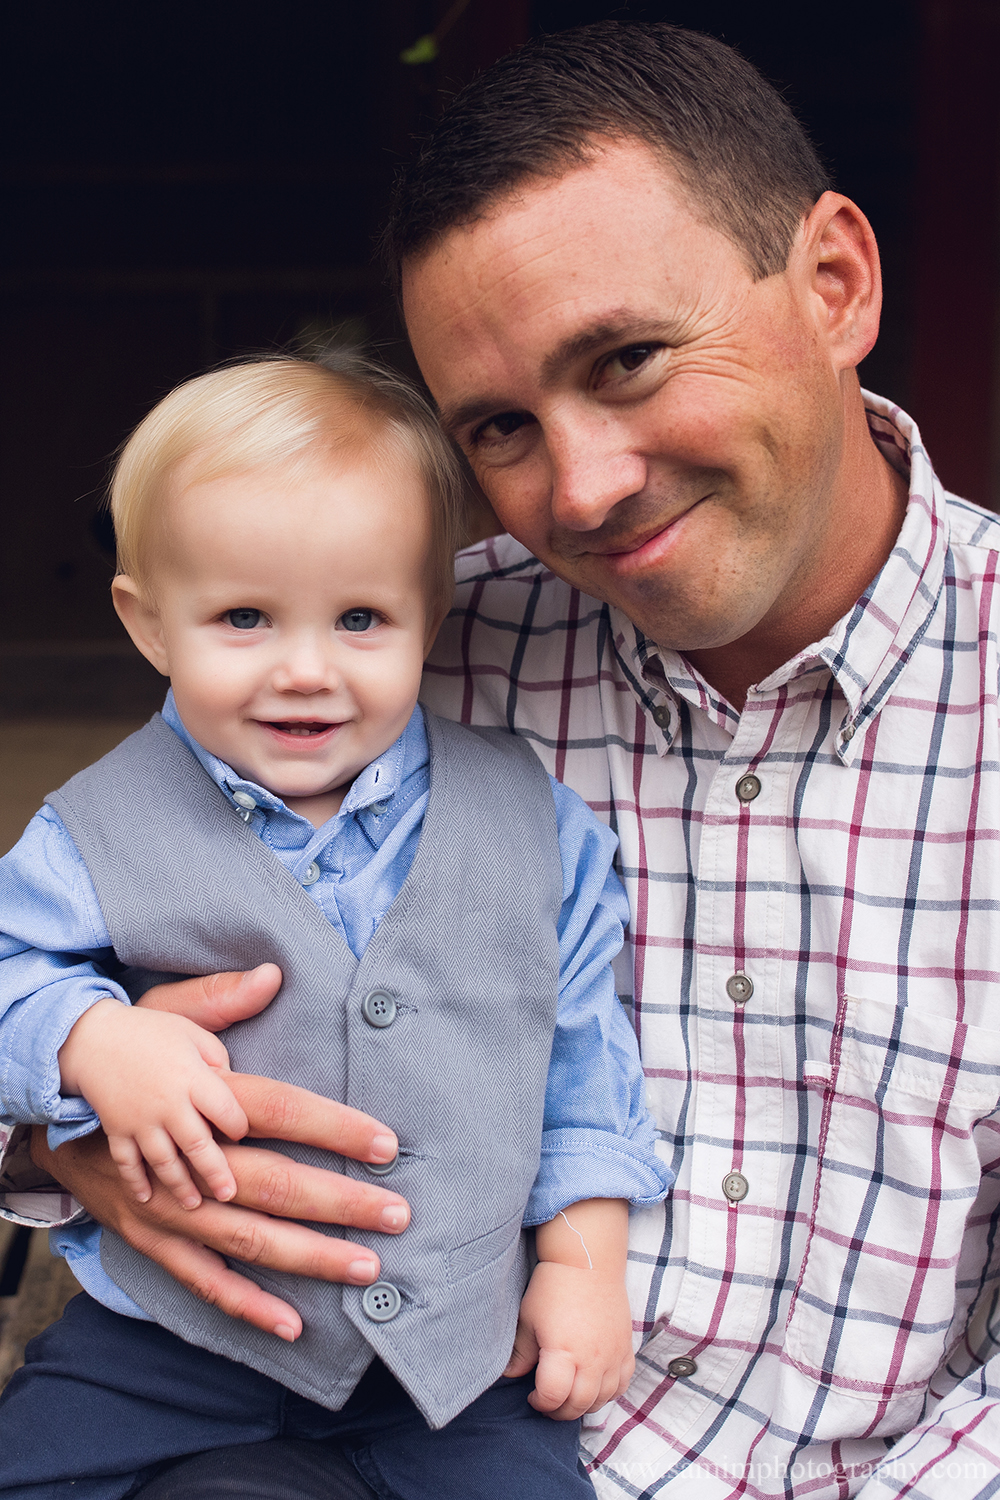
(748, 787)
(381, 1302)
(379, 1168)
(681, 1367)
(735, 1186)
(378, 1009)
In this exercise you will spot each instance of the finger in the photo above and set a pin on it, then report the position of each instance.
(582, 1397)
(130, 1164)
(291, 1190)
(161, 1155)
(524, 1355)
(215, 1001)
(213, 1098)
(553, 1380)
(280, 1111)
(257, 1239)
(206, 1275)
(207, 1160)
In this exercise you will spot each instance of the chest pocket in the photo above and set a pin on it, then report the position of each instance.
(898, 1174)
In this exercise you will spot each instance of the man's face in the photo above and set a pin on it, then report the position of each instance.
(659, 429)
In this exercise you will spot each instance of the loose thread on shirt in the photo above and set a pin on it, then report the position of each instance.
(580, 1237)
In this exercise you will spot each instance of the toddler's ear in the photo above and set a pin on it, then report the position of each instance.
(141, 620)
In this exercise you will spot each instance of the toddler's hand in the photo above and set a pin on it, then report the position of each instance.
(156, 1082)
(575, 1325)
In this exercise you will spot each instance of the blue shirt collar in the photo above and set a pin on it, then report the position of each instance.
(377, 784)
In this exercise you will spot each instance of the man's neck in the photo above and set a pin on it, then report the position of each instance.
(872, 499)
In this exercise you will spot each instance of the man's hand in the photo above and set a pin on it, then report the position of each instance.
(190, 1243)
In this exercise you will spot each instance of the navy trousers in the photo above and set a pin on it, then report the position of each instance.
(108, 1407)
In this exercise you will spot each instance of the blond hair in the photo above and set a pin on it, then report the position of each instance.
(263, 412)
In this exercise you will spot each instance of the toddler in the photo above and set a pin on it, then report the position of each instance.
(444, 916)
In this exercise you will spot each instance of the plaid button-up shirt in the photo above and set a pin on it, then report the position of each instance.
(812, 970)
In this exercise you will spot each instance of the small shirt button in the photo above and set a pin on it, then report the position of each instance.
(311, 875)
(739, 988)
(378, 808)
(661, 716)
(748, 787)
(735, 1186)
(381, 1302)
(380, 1168)
(681, 1367)
(244, 800)
(378, 1009)
(847, 732)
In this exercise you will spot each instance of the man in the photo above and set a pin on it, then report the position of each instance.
(760, 639)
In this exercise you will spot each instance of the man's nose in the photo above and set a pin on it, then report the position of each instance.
(593, 467)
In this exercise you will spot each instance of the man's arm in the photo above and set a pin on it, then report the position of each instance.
(191, 1243)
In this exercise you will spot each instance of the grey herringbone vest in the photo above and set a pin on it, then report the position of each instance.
(469, 954)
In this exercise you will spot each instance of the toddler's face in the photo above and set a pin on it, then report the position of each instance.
(291, 615)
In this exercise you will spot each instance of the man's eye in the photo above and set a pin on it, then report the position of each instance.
(358, 619)
(502, 426)
(244, 619)
(631, 359)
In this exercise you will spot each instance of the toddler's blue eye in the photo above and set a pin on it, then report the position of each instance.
(244, 619)
(358, 619)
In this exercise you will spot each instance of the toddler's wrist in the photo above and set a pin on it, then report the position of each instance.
(82, 1042)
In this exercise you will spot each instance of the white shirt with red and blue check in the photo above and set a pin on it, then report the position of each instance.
(812, 971)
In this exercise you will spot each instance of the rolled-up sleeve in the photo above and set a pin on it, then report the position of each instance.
(53, 942)
(598, 1139)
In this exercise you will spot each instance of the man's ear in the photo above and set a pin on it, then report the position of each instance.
(839, 258)
(141, 620)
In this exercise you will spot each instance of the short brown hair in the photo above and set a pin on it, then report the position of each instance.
(261, 412)
(742, 156)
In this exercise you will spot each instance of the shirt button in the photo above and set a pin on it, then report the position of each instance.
(378, 1009)
(312, 874)
(244, 799)
(735, 1186)
(378, 808)
(739, 988)
(681, 1367)
(748, 787)
(847, 732)
(379, 1168)
(381, 1302)
(661, 716)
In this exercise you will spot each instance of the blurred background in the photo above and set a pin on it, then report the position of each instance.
(184, 182)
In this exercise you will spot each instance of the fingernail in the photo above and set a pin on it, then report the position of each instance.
(384, 1147)
(224, 1194)
(284, 1331)
(191, 1202)
(144, 1197)
(394, 1217)
(362, 1270)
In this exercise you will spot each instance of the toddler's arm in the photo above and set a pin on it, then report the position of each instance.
(156, 1081)
(575, 1323)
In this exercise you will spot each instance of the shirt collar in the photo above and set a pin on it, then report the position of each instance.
(867, 649)
(376, 784)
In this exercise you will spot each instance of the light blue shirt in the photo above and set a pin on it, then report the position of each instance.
(55, 956)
